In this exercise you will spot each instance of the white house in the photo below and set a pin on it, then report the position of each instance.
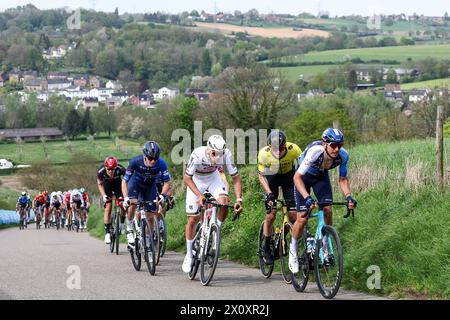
(166, 93)
(58, 84)
(115, 85)
(418, 95)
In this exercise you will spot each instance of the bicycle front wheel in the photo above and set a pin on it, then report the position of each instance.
(328, 262)
(300, 279)
(266, 269)
(196, 249)
(149, 248)
(210, 257)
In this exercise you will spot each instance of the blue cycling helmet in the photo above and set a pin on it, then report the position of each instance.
(151, 149)
(333, 135)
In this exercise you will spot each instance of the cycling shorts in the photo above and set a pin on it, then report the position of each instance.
(213, 183)
(321, 186)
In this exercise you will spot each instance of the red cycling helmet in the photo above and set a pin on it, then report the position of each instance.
(110, 162)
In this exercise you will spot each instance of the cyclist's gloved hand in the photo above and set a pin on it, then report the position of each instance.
(126, 202)
(270, 198)
(309, 203)
(353, 201)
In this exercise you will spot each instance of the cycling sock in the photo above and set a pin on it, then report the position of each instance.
(189, 247)
(130, 225)
(293, 247)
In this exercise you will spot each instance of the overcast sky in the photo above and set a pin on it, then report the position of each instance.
(335, 7)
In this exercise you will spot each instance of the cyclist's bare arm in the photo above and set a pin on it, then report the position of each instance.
(166, 187)
(101, 188)
(191, 185)
(125, 189)
(264, 183)
(237, 183)
(300, 185)
(345, 185)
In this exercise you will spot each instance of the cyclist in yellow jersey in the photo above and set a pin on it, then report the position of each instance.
(276, 167)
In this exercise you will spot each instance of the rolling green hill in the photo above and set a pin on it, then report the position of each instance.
(397, 53)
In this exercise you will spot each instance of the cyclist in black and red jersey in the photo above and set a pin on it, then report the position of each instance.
(109, 180)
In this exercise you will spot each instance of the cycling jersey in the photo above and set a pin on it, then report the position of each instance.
(142, 180)
(76, 197)
(268, 164)
(40, 198)
(146, 174)
(23, 201)
(55, 198)
(104, 178)
(200, 165)
(312, 160)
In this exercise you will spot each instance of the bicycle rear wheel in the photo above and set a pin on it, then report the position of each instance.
(136, 254)
(112, 233)
(211, 252)
(156, 239)
(196, 248)
(300, 279)
(266, 269)
(149, 248)
(163, 236)
(283, 247)
(328, 263)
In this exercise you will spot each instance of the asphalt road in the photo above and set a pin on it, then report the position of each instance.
(43, 264)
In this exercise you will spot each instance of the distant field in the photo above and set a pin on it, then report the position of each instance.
(293, 73)
(263, 32)
(431, 84)
(59, 152)
(399, 53)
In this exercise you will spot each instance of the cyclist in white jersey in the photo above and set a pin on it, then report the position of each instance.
(202, 174)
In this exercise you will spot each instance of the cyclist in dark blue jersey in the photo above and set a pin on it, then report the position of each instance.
(139, 183)
(312, 172)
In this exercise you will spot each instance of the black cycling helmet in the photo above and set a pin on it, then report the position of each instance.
(277, 138)
(151, 149)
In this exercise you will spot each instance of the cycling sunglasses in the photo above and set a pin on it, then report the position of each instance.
(334, 145)
(151, 158)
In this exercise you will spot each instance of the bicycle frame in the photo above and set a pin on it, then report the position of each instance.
(318, 238)
(209, 217)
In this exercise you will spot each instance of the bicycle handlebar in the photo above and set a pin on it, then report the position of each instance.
(349, 211)
(216, 204)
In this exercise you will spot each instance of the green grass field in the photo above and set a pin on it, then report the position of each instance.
(61, 151)
(293, 73)
(398, 53)
(431, 84)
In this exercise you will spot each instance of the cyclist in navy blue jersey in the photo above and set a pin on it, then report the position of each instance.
(139, 184)
(314, 163)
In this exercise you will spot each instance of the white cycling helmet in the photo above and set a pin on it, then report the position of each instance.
(215, 148)
(216, 143)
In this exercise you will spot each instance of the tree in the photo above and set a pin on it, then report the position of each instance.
(86, 125)
(352, 79)
(391, 76)
(71, 127)
(253, 96)
(205, 63)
